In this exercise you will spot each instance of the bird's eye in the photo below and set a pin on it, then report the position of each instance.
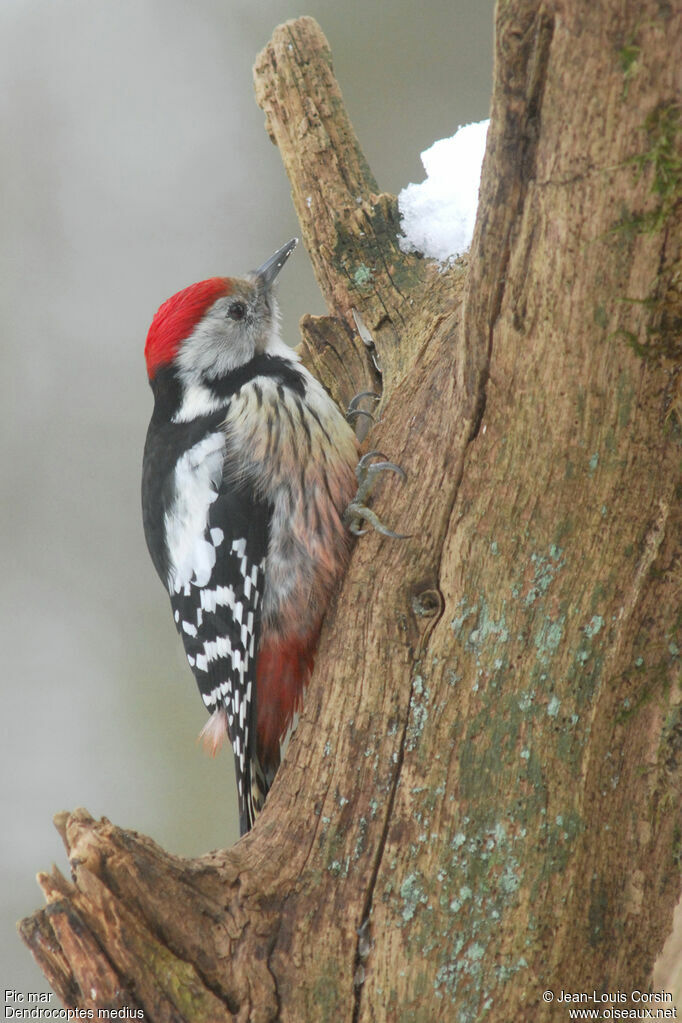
(236, 310)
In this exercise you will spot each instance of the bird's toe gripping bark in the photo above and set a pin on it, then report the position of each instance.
(357, 511)
(354, 410)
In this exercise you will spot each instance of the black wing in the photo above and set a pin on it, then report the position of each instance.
(220, 624)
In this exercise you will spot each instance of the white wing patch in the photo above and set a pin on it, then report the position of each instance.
(197, 477)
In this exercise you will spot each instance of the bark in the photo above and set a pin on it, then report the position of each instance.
(482, 798)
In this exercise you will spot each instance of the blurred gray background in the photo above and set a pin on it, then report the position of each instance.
(134, 162)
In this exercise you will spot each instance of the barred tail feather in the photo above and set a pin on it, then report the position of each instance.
(282, 672)
(283, 669)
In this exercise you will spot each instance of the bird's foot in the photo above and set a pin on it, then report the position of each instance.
(354, 410)
(357, 511)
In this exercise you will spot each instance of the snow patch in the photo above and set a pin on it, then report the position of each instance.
(438, 216)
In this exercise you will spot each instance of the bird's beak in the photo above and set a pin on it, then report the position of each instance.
(265, 274)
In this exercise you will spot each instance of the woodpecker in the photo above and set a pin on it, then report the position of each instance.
(248, 469)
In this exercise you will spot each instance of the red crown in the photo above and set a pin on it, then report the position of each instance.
(176, 319)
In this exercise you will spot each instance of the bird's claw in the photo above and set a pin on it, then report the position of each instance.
(357, 511)
(352, 412)
(366, 470)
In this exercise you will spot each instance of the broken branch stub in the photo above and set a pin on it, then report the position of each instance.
(349, 228)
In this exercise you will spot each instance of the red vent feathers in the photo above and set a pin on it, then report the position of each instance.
(177, 318)
(282, 673)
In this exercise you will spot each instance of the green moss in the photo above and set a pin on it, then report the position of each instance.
(560, 837)
(361, 257)
(670, 750)
(625, 395)
(324, 998)
(179, 981)
(570, 742)
(676, 846)
(413, 1013)
(585, 674)
(489, 749)
(331, 842)
(600, 318)
(564, 529)
(598, 913)
(663, 157)
(663, 329)
(661, 160)
(630, 707)
(629, 62)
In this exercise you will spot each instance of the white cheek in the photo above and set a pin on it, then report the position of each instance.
(215, 347)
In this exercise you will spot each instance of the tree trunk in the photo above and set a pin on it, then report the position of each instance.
(482, 798)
